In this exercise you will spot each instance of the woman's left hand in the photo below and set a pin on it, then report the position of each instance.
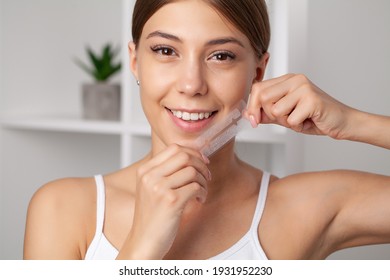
(295, 102)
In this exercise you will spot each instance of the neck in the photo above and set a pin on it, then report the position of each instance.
(223, 159)
(224, 164)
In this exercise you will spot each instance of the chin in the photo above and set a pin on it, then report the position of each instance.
(189, 143)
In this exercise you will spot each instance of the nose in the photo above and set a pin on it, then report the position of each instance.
(191, 78)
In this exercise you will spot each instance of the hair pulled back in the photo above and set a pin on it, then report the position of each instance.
(248, 16)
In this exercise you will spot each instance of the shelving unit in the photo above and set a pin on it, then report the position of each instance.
(133, 128)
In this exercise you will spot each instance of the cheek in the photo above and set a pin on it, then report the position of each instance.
(154, 84)
(232, 86)
(152, 76)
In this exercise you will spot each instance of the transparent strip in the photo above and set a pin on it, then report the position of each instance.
(222, 132)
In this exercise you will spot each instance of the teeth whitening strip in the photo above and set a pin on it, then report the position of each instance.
(222, 132)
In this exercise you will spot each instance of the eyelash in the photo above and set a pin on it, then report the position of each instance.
(162, 50)
(169, 51)
(226, 54)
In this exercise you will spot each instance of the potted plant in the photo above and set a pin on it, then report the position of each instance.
(101, 99)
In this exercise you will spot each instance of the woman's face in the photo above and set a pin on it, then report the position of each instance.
(193, 67)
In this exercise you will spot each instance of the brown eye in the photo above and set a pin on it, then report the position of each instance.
(167, 51)
(223, 56)
(164, 51)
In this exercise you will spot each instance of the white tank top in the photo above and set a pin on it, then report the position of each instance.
(247, 248)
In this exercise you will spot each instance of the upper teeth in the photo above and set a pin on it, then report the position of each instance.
(190, 116)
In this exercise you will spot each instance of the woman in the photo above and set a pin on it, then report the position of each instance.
(194, 61)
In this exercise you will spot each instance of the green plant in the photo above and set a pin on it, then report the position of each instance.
(103, 65)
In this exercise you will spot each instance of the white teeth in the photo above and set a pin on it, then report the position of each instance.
(186, 116)
(194, 116)
(191, 116)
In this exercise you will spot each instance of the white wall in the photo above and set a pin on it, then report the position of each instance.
(40, 39)
(1, 146)
(348, 56)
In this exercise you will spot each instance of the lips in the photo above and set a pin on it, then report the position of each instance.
(191, 121)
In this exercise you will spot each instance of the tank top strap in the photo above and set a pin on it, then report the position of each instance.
(100, 208)
(100, 204)
(260, 201)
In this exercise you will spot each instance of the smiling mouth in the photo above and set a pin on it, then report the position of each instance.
(191, 116)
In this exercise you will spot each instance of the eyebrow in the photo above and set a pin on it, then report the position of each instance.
(218, 41)
(163, 35)
(225, 40)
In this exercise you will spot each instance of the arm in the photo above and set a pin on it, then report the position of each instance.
(370, 129)
(322, 212)
(295, 102)
(357, 207)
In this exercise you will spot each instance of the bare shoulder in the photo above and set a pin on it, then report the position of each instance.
(63, 189)
(60, 219)
(306, 214)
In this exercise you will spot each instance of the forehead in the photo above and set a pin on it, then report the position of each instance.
(194, 19)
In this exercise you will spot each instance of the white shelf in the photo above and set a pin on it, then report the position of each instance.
(76, 125)
(263, 134)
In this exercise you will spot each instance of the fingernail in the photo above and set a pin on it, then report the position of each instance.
(209, 175)
(205, 159)
(253, 121)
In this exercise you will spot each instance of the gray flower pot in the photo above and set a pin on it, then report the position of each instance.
(101, 101)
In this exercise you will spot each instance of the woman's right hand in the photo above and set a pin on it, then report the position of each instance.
(164, 186)
(293, 101)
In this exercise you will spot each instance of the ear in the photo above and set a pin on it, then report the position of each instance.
(261, 66)
(133, 59)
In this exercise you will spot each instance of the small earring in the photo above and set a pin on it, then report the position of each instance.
(138, 82)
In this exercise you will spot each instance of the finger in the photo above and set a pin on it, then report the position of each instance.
(263, 95)
(184, 177)
(167, 154)
(178, 162)
(157, 177)
(302, 112)
(158, 159)
(186, 182)
(283, 108)
(285, 105)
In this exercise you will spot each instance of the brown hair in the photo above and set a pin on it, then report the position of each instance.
(248, 16)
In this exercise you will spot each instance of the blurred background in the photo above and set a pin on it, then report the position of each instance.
(341, 45)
